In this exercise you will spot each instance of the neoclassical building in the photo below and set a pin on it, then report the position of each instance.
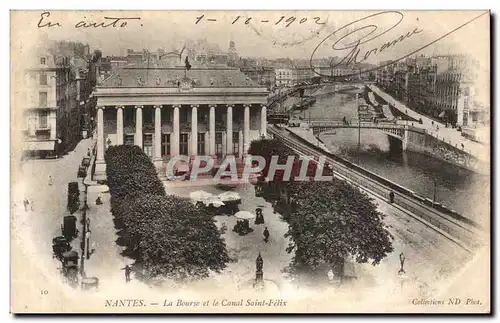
(170, 111)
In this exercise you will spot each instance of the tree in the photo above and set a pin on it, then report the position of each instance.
(328, 221)
(331, 221)
(166, 235)
(176, 239)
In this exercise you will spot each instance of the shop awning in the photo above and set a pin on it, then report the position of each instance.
(39, 145)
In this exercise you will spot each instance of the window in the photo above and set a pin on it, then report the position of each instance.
(183, 147)
(129, 140)
(42, 120)
(166, 116)
(201, 143)
(128, 117)
(218, 143)
(148, 145)
(165, 148)
(183, 115)
(42, 61)
(236, 143)
(42, 99)
(147, 116)
(43, 79)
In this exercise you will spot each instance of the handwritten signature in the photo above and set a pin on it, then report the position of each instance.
(106, 22)
(366, 30)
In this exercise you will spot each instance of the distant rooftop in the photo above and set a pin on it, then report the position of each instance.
(171, 77)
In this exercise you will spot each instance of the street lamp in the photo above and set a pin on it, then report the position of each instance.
(359, 129)
(435, 190)
(259, 275)
(87, 243)
(402, 261)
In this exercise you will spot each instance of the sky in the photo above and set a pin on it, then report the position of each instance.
(270, 34)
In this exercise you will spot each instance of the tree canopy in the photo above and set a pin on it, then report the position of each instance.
(328, 221)
(166, 235)
(176, 239)
(331, 221)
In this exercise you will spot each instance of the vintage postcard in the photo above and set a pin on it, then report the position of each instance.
(250, 161)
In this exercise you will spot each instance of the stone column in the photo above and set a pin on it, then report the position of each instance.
(229, 130)
(157, 145)
(211, 139)
(241, 145)
(246, 129)
(100, 134)
(194, 129)
(174, 141)
(119, 125)
(138, 125)
(100, 167)
(263, 121)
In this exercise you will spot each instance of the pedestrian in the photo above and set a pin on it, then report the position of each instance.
(128, 270)
(223, 228)
(98, 200)
(402, 261)
(50, 180)
(32, 205)
(259, 219)
(26, 203)
(266, 235)
(88, 152)
(330, 275)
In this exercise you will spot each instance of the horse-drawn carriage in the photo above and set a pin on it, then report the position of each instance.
(70, 267)
(68, 228)
(60, 245)
(82, 169)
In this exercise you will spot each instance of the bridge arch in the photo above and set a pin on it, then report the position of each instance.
(397, 134)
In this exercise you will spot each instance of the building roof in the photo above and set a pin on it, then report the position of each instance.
(169, 77)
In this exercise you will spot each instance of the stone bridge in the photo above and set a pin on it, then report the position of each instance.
(323, 125)
(405, 137)
(395, 131)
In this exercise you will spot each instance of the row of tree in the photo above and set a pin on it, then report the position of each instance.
(167, 235)
(329, 222)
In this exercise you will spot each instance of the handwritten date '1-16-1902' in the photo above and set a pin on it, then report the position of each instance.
(284, 20)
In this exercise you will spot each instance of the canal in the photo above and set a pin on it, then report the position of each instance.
(457, 188)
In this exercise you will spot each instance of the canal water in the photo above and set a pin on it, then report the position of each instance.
(464, 191)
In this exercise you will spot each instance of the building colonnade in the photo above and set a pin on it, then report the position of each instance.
(175, 134)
